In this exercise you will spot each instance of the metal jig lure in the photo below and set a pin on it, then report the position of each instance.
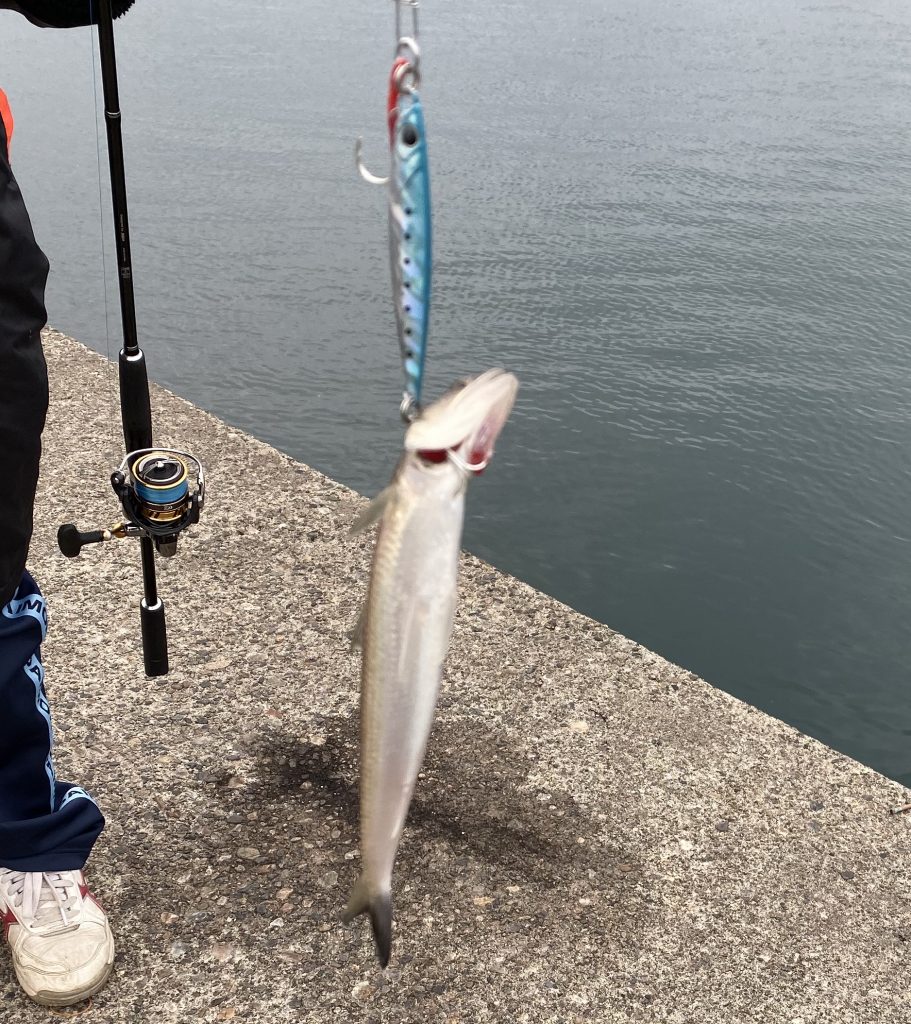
(408, 184)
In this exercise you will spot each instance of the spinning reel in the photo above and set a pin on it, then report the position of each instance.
(162, 493)
(154, 488)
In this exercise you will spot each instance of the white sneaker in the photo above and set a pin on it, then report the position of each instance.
(62, 944)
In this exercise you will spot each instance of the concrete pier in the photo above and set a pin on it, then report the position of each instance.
(598, 835)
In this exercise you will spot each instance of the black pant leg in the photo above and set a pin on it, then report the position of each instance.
(23, 374)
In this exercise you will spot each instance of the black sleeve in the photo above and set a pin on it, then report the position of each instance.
(62, 13)
(23, 375)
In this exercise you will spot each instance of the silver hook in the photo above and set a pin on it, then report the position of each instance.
(407, 79)
(466, 467)
(371, 179)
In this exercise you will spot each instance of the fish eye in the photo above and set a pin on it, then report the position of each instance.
(410, 135)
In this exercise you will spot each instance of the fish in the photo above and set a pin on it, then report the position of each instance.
(407, 620)
(410, 222)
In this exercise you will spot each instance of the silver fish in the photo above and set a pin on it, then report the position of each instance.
(407, 621)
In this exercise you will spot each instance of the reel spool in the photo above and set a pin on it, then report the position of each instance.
(153, 485)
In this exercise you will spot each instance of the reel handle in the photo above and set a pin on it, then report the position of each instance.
(71, 541)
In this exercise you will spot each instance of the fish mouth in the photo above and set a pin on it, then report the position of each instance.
(465, 423)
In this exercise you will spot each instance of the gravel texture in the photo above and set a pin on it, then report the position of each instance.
(597, 834)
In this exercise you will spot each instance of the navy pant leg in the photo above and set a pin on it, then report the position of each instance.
(45, 824)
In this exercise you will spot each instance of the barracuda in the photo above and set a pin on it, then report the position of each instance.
(407, 620)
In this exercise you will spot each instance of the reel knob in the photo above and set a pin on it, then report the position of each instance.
(71, 541)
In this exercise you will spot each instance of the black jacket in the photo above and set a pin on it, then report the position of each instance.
(62, 13)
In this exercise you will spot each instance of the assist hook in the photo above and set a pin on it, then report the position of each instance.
(403, 81)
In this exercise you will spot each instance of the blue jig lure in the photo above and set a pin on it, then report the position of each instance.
(410, 235)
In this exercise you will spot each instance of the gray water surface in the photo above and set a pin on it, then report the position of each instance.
(685, 226)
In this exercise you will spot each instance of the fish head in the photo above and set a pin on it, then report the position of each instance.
(463, 426)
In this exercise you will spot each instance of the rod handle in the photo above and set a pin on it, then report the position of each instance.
(135, 402)
(154, 638)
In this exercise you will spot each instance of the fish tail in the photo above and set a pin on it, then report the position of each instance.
(378, 906)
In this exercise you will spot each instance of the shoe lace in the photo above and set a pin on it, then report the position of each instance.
(47, 900)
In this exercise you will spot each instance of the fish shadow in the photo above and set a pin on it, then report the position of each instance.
(475, 819)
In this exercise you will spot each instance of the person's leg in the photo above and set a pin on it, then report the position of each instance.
(45, 825)
(60, 939)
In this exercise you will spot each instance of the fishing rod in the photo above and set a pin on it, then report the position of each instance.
(161, 490)
(408, 189)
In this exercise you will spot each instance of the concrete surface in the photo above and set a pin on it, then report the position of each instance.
(598, 835)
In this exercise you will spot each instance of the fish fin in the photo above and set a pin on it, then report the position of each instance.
(378, 906)
(356, 633)
(373, 512)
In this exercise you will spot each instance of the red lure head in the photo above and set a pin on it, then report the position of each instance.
(392, 104)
